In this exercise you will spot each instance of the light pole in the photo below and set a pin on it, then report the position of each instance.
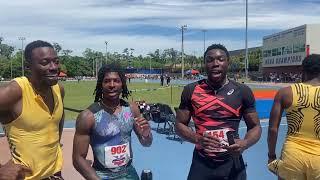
(183, 28)
(96, 58)
(150, 65)
(204, 47)
(11, 68)
(106, 42)
(22, 63)
(93, 62)
(246, 59)
(204, 40)
(131, 57)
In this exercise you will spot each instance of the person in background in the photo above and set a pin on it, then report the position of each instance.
(161, 80)
(168, 80)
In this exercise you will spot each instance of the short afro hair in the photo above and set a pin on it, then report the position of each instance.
(311, 64)
(217, 46)
(33, 45)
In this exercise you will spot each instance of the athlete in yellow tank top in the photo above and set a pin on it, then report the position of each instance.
(300, 157)
(31, 111)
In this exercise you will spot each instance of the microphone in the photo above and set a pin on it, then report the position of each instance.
(146, 174)
(236, 160)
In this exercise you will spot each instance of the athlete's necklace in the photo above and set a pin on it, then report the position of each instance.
(217, 89)
(112, 109)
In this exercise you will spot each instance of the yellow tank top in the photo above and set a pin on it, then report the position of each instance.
(34, 136)
(303, 118)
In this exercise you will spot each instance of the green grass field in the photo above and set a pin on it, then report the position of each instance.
(80, 95)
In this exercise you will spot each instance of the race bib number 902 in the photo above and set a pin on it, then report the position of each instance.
(117, 156)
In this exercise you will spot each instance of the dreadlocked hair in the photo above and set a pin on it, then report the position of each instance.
(106, 69)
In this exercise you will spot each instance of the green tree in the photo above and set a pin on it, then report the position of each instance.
(255, 59)
(57, 47)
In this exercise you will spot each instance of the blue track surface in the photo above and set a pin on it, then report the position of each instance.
(171, 160)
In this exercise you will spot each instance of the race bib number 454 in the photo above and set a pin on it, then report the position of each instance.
(221, 134)
(117, 156)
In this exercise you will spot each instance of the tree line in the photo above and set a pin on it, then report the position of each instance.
(168, 60)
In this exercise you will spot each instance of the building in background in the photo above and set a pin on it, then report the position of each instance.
(283, 52)
(242, 52)
(237, 64)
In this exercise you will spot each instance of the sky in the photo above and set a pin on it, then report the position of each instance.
(147, 25)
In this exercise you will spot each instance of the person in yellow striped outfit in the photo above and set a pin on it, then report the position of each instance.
(300, 157)
(31, 111)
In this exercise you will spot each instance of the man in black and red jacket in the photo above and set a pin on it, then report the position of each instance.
(216, 106)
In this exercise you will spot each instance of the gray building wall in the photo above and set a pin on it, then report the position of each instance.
(294, 39)
(313, 38)
(286, 48)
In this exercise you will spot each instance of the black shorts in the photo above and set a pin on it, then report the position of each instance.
(230, 169)
(56, 176)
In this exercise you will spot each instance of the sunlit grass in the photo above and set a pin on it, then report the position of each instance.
(80, 95)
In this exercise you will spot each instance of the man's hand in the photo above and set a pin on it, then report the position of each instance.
(12, 171)
(142, 126)
(209, 143)
(270, 160)
(237, 148)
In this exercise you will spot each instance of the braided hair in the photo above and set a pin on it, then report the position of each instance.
(106, 69)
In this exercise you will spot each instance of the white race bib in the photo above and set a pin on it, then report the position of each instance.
(221, 134)
(117, 156)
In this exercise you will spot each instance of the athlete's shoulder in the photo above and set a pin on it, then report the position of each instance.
(20, 80)
(10, 94)
(287, 91)
(240, 86)
(194, 84)
(124, 103)
(94, 107)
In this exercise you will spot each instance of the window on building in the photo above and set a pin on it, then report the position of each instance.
(298, 48)
(287, 50)
(279, 53)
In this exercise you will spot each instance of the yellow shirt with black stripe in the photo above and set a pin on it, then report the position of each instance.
(303, 118)
(34, 136)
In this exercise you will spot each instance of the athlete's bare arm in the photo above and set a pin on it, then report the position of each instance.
(282, 100)
(181, 127)
(10, 96)
(252, 136)
(12, 171)
(85, 122)
(62, 118)
(141, 126)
